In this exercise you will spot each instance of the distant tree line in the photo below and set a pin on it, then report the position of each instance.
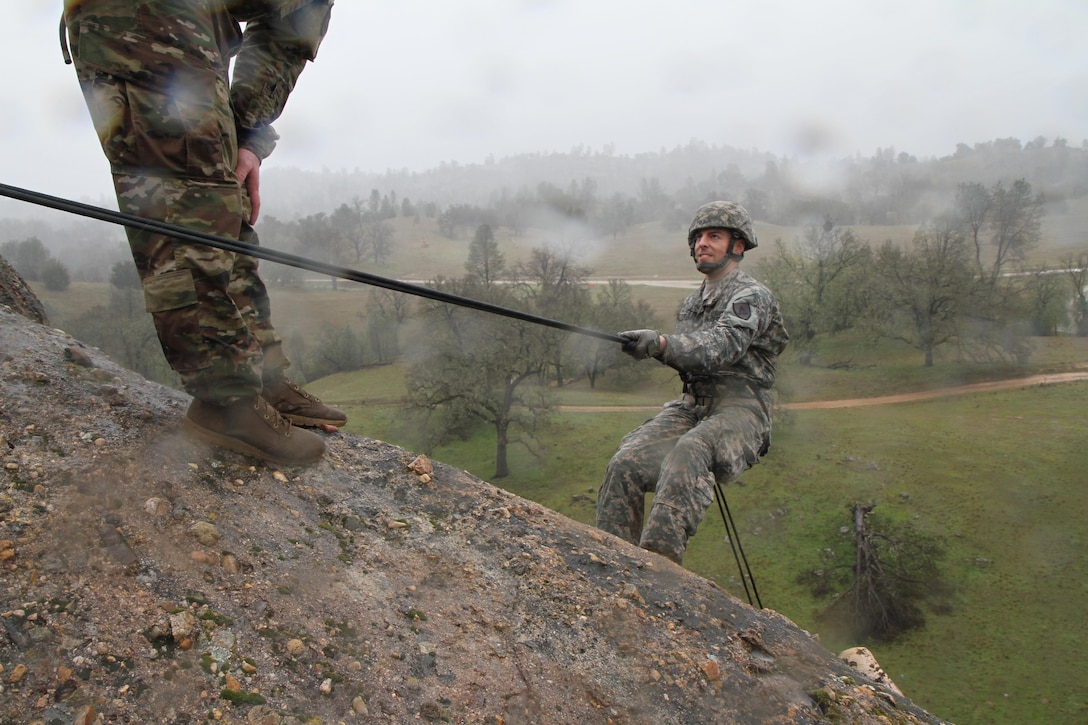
(963, 281)
(606, 190)
(960, 283)
(35, 263)
(349, 234)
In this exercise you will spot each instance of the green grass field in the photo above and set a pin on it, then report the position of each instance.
(1000, 477)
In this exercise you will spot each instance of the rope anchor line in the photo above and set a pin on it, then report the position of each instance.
(733, 535)
(291, 260)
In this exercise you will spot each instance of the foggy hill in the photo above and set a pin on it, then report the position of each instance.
(887, 187)
(148, 579)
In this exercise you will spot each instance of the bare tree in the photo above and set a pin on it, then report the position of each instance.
(613, 310)
(1015, 222)
(348, 223)
(387, 311)
(1007, 221)
(378, 237)
(481, 369)
(318, 237)
(973, 203)
(555, 287)
(1045, 299)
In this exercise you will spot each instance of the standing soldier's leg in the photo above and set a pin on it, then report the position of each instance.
(186, 286)
(203, 335)
(633, 471)
(172, 159)
(250, 294)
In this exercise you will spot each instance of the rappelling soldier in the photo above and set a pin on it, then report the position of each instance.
(728, 337)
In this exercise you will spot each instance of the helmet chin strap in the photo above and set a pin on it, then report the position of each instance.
(711, 267)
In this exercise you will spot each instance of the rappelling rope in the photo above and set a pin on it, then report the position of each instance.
(291, 260)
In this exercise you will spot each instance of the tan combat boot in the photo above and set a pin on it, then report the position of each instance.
(252, 427)
(298, 406)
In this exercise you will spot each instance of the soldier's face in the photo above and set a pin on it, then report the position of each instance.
(712, 245)
(711, 252)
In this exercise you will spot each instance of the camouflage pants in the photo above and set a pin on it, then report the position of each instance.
(172, 156)
(678, 455)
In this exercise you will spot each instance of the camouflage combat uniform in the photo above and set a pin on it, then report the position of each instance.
(154, 74)
(727, 341)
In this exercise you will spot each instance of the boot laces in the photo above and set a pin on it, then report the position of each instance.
(298, 389)
(272, 416)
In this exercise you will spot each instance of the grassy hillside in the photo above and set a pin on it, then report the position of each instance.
(1064, 230)
(1000, 477)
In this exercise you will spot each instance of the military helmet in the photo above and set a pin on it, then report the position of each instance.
(723, 215)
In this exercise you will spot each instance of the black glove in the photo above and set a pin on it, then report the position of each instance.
(641, 344)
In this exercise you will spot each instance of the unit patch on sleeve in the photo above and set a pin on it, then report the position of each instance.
(743, 310)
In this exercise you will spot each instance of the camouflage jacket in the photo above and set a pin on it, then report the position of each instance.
(156, 41)
(727, 333)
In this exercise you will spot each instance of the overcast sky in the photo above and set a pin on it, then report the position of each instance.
(414, 83)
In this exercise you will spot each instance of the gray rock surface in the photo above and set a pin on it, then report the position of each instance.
(15, 293)
(145, 578)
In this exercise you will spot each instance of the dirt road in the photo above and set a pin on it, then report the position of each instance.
(1028, 382)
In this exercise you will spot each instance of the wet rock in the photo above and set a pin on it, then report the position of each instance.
(16, 294)
(116, 546)
(862, 660)
(182, 625)
(157, 506)
(421, 465)
(75, 354)
(17, 674)
(86, 716)
(204, 532)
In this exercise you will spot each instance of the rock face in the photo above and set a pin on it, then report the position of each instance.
(15, 294)
(146, 578)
